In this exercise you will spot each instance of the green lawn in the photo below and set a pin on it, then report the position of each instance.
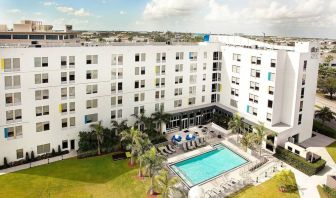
(264, 190)
(91, 177)
(332, 150)
(321, 192)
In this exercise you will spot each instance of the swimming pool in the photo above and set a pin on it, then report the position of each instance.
(208, 165)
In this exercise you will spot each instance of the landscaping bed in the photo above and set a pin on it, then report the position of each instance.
(324, 129)
(298, 162)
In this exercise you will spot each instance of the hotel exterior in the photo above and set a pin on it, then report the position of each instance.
(50, 92)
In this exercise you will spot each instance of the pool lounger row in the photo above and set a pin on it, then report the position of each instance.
(167, 150)
(193, 144)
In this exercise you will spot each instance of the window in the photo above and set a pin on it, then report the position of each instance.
(235, 69)
(91, 118)
(302, 92)
(253, 98)
(178, 91)
(192, 90)
(191, 101)
(161, 57)
(13, 99)
(91, 59)
(255, 73)
(217, 56)
(72, 61)
(44, 148)
(63, 77)
(64, 122)
(12, 82)
(113, 87)
(159, 106)
(179, 55)
(269, 117)
(301, 106)
(216, 66)
(42, 94)
(235, 80)
(255, 60)
(273, 62)
(234, 103)
(159, 94)
(138, 110)
(141, 70)
(72, 106)
(252, 110)
(117, 59)
(270, 104)
(92, 89)
(178, 103)
(160, 70)
(192, 79)
(139, 97)
(63, 61)
(41, 78)
(140, 57)
(42, 110)
(234, 92)
(203, 88)
(64, 144)
(13, 115)
(304, 65)
(192, 55)
(271, 76)
(72, 121)
(160, 82)
(203, 98)
(193, 67)
(63, 108)
(42, 126)
(204, 77)
(205, 55)
(92, 103)
(204, 66)
(91, 74)
(11, 64)
(300, 119)
(237, 57)
(19, 153)
(303, 79)
(254, 85)
(178, 79)
(270, 90)
(41, 61)
(13, 132)
(72, 76)
(179, 68)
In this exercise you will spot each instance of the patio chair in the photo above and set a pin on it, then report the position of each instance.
(184, 145)
(203, 141)
(162, 152)
(171, 148)
(167, 151)
(211, 193)
(192, 146)
(217, 191)
(198, 143)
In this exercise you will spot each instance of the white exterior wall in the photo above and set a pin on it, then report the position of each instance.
(285, 100)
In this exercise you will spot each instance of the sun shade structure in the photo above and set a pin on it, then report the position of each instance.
(190, 137)
(176, 138)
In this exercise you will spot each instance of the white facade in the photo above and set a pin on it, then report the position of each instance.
(194, 91)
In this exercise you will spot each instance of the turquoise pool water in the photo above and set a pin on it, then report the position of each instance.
(203, 167)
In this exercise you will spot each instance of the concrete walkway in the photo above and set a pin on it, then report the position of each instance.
(37, 163)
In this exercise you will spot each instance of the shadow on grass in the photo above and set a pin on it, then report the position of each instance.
(90, 170)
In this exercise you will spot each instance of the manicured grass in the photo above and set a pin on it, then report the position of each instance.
(265, 190)
(332, 150)
(91, 177)
(321, 192)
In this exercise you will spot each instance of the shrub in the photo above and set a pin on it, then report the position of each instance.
(53, 153)
(286, 181)
(27, 157)
(331, 192)
(298, 162)
(323, 129)
(86, 154)
(32, 157)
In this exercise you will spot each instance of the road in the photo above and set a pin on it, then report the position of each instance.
(321, 102)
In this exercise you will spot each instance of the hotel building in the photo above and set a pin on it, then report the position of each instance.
(50, 92)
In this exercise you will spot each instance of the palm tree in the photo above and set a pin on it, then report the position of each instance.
(248, 140)
(141, 119)
(260, 131)
(119, 126)
(98, 129)
(153, 163)
(167, 185)
(161, 117)
(235, 124)
(325, 114)
(141, 147)
(132, 137)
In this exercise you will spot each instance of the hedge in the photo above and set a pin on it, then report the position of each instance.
(324, 129)
(329, 191)
(298, 162)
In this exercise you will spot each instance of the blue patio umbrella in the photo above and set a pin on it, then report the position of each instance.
(177, 138)
(190, 137)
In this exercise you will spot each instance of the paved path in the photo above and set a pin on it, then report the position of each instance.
(321, 101)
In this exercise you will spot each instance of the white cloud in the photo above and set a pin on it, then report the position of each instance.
(159, 9)
(71, 11)
(38, 13)
(49, 3)
(14, 11)
(122, 12)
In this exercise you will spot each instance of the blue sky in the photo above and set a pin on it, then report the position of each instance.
(308, 18)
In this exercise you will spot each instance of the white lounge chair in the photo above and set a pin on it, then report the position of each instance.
(166, 150)
(190, 145)
(171, 148)
(162, 152)
(184, 145)
(198, 143)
